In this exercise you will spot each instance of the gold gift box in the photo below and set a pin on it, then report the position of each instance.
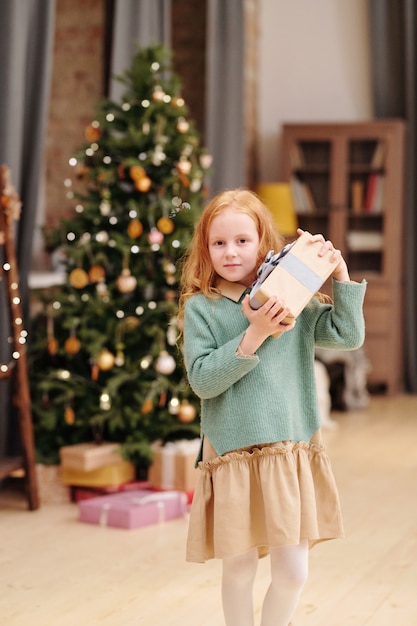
(108, 476)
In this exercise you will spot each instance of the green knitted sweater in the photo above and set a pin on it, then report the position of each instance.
(270, 396)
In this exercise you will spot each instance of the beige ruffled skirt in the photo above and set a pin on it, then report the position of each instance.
(264, 496)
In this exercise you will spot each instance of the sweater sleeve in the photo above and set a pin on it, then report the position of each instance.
(211, 368)
(342, 325)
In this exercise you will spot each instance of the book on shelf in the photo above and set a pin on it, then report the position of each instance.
(302, 196)
(377, 206)
(365, 241)
(378, 157)
(357, 190)
(297, 157)
(311, 203)
(374, 198)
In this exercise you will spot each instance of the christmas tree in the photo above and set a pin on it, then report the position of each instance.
(104, 362)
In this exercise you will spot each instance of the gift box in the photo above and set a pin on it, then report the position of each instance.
(90, 456)
(133, 509)
(173, 465)
(50, 486)
(110, 475)
(295, 275)
(188, 494)
(86, 493)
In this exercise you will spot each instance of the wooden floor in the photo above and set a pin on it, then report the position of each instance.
(56, 571)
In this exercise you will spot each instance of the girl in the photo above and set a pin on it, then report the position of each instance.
(266, 485)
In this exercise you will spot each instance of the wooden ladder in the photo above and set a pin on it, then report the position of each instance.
(16, 369)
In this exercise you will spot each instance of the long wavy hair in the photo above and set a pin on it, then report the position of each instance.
(197, 273)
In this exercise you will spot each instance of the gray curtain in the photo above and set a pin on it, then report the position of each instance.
(142, 22)
(148, 21)
(393, 26)
(26, 38)
(225, 93)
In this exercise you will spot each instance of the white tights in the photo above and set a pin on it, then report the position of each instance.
(289, 570)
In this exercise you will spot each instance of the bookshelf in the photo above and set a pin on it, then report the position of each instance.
(347, 183)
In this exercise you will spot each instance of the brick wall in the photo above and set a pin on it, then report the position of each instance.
(77, 83)
(189, 57)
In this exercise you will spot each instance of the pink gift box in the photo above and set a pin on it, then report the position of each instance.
(133, 509)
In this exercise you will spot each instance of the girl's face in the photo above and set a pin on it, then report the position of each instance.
(233, 243)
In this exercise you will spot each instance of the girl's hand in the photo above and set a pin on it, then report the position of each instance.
(340, 272)
(266, 321)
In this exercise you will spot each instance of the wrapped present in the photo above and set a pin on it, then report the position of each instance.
(188, 494)
(133, 509)
(51, 488)
(85, 493)
(295, 274)
(90, 456)
(110, 475)
(173, 465)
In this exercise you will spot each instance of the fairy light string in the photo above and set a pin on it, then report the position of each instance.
(10, 207)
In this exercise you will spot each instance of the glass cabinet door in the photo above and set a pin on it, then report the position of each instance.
(366, 205)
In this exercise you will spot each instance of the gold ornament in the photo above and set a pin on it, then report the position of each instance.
(182, 125)
(162, 399)
(94, 371)
(177, 101)
(96, 273)
(69, 415)
(158, 93)
(105, 360)
(72, 345)
(143, 184)
(105, 207)
(126, 283)
(78, 278)
(130, 323)
(134, 229)
(165, 225)
(186, 412)
(93, 132)
(147, 406)
(52, 346)
(171, 295)
(137, 172)
(184, 165)
(206, 160)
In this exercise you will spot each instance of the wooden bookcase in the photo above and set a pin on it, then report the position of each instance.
(347, 182)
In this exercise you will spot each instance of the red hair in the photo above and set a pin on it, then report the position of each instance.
(198, 275)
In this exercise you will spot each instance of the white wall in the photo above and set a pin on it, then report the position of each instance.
(314, 61)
